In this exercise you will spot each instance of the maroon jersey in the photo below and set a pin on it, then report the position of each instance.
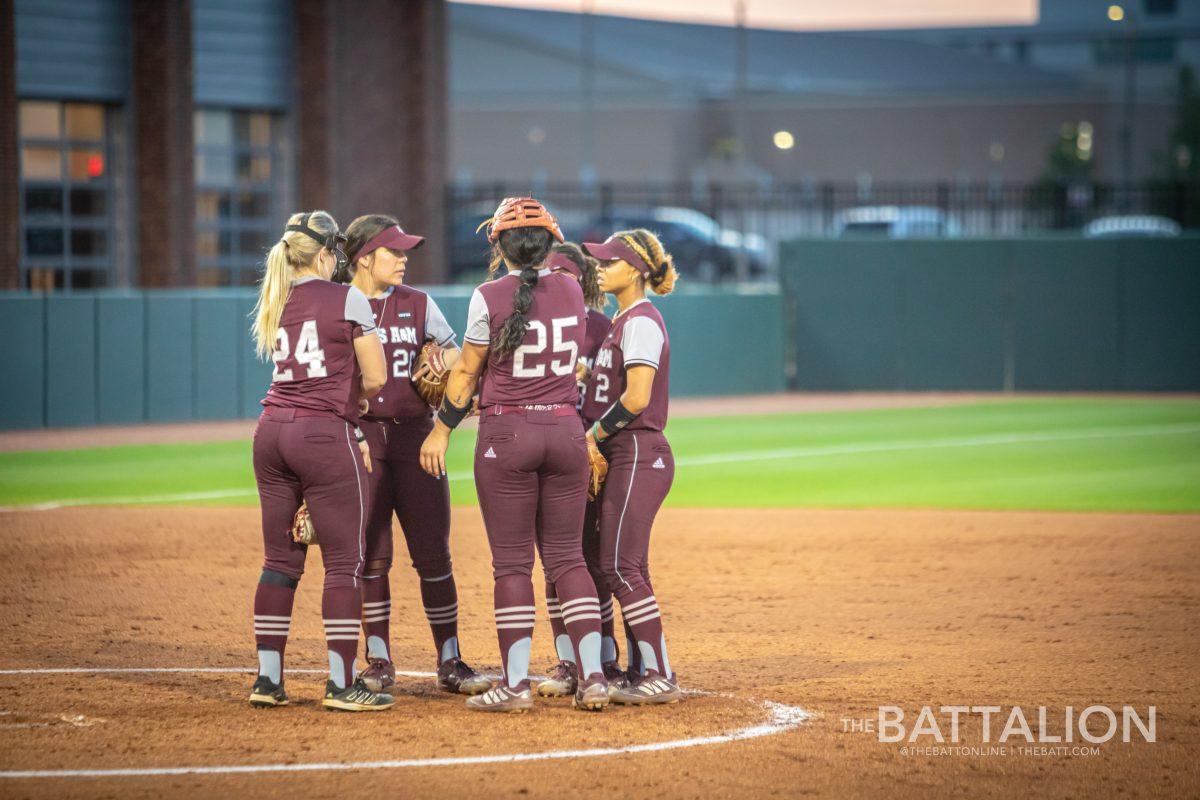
(542, 370)
(598, 326)
(407, 318)
(315, 365)
(638, 336)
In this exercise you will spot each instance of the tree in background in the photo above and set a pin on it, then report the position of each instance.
(1069, 161)
(1181, 161)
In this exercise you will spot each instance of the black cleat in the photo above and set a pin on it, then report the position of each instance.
(355, 697)
(266, 694)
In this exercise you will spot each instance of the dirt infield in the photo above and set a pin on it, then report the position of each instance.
(838, 612)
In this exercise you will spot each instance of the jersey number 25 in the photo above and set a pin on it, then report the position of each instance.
(570, 349)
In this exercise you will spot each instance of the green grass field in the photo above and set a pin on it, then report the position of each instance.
(1051, 454)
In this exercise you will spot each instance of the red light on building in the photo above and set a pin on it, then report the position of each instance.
(95, 166)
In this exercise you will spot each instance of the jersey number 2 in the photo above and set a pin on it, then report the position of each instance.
(571, 348)
(308, 352)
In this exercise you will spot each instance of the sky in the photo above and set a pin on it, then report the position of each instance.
(804, 14)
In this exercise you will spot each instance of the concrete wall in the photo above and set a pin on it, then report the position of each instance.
(1053, 314)
(120, 358)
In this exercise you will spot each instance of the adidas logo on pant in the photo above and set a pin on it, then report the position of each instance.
(490, 453)
(658, 464)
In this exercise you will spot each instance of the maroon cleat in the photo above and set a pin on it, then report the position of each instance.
(561, 681)
(592, 695)
(650, 689)
(456, 677)
(613, 672)
(379, 676)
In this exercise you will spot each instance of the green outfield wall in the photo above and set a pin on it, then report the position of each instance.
(1042, 314)
(99, 358)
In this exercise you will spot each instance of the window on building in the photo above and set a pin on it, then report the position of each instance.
(66, 195)
(1145, 49)
(1160, 7)
(239, 202)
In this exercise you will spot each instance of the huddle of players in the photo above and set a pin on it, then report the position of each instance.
(344, 430)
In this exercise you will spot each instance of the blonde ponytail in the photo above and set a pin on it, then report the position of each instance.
(294, 251)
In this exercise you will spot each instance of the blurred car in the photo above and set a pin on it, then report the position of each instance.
(895, 222)
(700, 246)
(1130, 225)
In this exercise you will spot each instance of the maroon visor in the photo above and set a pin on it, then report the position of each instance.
(392, 238)
(560, 261)
(615, 248)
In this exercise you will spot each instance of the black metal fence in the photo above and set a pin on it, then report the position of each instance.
(732, 231)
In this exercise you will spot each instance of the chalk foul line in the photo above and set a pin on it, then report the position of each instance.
(815, 451)
(780, 719)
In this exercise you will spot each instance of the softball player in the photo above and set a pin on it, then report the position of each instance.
(627, 396)
(328, 359)
(531, 463)
(563, 678)
(396, 423)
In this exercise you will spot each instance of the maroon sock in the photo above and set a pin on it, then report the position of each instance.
(643, 624)
(514, 628)
(633, 659)
(439, 595)
(377, 614)
(342, 609)
(272, 622)
(609, 652)
(562, 641)
(581, 617)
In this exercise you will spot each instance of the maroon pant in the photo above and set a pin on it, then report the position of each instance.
(314, 459)
(641, 468)
(531, 476)
(422, 504)
(420, 501)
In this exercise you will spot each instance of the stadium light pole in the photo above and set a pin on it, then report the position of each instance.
(741, 127)
(1127, 17)
(587, 79)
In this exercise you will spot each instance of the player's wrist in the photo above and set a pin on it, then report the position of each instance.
(451, 415)
(615, 419)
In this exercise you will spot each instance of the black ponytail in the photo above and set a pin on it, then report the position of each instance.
(526, 248)
(589, 272)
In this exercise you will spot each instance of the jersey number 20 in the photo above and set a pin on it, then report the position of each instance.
(570, 348)
(308, 352)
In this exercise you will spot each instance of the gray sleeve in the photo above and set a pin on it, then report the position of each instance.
(358, 310)
(478, 325)
(436, 326)
(641, 342)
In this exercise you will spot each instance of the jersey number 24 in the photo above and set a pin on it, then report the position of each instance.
(308, 352)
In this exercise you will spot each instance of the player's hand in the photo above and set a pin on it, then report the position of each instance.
(582, 373)
(433, 451)
(365, 449)
(364, 405)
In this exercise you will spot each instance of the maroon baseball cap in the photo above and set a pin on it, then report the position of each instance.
(560, 261)
(615, 248)
(392, 238)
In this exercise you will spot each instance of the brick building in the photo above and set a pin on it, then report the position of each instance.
(162, 142)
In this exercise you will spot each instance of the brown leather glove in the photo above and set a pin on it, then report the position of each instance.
(302, 527)
(429, 378)
(599, 469)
